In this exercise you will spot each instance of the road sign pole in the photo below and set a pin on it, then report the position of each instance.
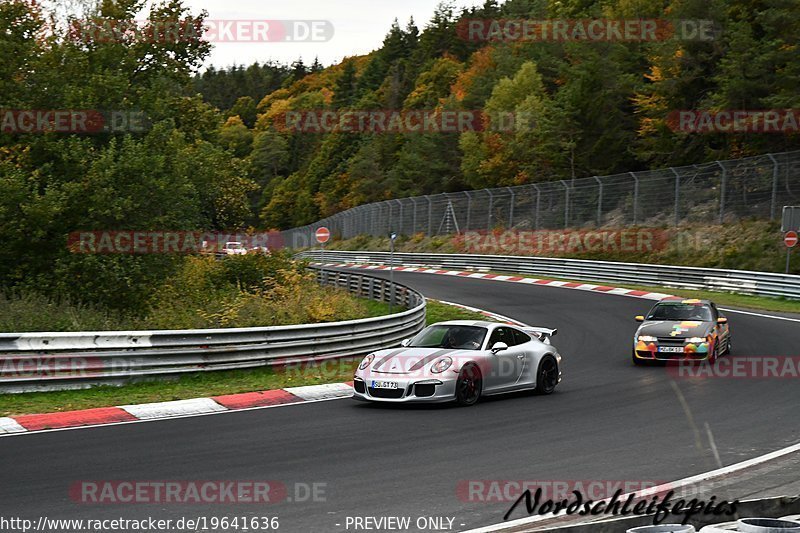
(790, 240)
(788, 258)
(392, 237)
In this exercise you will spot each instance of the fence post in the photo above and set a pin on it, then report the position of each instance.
(469, 209)
(774, 202)
(491, 201)
(538, 203)
(414, 216)
(635, 197)
(566, 203)
(599, 201)
(677, 196)
(723, 185)
(399, 228)
(511, 208)
(430, 216)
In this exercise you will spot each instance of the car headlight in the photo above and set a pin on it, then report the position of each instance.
(696, 340)
(647, 338)
(366, 362)
(441, 365)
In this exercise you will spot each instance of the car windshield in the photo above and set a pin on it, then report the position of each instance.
(457, 337)
(680, 311)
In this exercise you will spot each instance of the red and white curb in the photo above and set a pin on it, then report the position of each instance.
(22, 424)
(512, 279)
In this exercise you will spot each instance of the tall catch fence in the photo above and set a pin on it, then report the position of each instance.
(715, 193)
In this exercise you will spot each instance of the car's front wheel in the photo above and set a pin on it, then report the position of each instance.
(547, 375)
(469, 385)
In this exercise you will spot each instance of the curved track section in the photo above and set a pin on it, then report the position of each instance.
(607, 421)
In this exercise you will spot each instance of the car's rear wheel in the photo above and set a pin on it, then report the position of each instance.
(469, 385)
(547, 375)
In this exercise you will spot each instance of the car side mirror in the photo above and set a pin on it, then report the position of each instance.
(722, 320)
(405, 342)
(499, 347)
(639, 318)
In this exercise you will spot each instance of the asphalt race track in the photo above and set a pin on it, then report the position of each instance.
(608, 420)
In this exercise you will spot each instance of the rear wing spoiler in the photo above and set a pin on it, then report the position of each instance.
(543, 334)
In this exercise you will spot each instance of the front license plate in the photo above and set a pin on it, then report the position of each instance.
(670, 349)
(385, 385)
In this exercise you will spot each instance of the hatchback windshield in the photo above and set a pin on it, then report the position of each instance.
(680, 311)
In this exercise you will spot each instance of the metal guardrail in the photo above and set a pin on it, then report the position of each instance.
(738, 281)
(54, 361)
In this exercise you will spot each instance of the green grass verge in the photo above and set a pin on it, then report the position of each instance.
(203, 384)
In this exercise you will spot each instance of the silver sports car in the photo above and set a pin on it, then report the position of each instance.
(461, 361)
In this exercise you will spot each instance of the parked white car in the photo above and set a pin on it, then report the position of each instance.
(234, 248)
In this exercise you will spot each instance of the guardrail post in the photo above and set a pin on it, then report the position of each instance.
(774, 202)
(723, 185)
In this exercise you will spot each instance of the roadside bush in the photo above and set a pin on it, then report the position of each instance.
(239, 291)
